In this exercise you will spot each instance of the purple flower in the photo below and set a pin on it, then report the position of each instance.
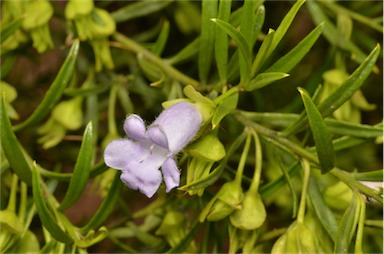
(148, 149)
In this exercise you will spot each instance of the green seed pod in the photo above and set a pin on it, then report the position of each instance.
(252, 213)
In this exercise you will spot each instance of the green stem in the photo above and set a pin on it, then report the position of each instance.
(243, 159)
(360, 227)
(111, 111)
(356, 16)
(307, 170)
(296, 149)
(258, 164)
(225, 95)
(12, 197)
(128, 44)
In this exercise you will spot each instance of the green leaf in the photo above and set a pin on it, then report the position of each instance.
(10, 29)
(81, 171)
(342, 93)
(347, 226)
(351, 85)
(321, 209)
(55, 91)
(161, 39)
(208, 11)
(331, 33)
(12, 147)
(242, 44)
(6, 65)
(221, 41)
(284, 25)
(186, 53)
(261, 55)
(248, 20)
(224, 108)
(264, 79)
(45, 216)
(139, 9)
(323, 140)
(106, 207)
(294, 56)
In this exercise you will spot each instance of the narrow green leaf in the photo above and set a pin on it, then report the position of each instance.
(323, 140)
(321, 209)
(246, 30)
(6, 65)
(284, 25)
(12, 147)
(347, 226)
(259, 21)
(343, 92)
(264, 79)
(106, 207)
(45, 216)
(331, 33)
(208, 11)
(224, 108)
(221, 41)
(162, 39)
(10, 29)
(56, 90)
(186, 53)
(261, 55)
(351, 85)
(81, 171)
(294, 56)
(241, 42)
(139, 9)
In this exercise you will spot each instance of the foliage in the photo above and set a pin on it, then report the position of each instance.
(288, 155)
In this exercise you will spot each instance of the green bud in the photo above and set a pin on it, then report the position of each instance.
(338, 196)
(208, 148)
(306, 237)
(197, 169)
(252, 213)
(10, 222)
(103, 24)
(298, 239)
(223, 203)
(69, 113)
(77, 8)
(9, 91)
(102, 54)
(38, 13)
(171, 221)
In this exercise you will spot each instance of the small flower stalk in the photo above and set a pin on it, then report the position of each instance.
(140, 156)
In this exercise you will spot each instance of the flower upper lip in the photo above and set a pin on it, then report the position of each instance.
(148, 149)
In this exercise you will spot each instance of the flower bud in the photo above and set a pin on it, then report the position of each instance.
(208, 148)
(69, 113)
(223, 203)
(252, 213)
(338, 196)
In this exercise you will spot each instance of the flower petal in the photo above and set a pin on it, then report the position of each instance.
(120, 152)
(171, 174)
(180, 123)
(146, 180)
(134, 126)
(157, 136)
